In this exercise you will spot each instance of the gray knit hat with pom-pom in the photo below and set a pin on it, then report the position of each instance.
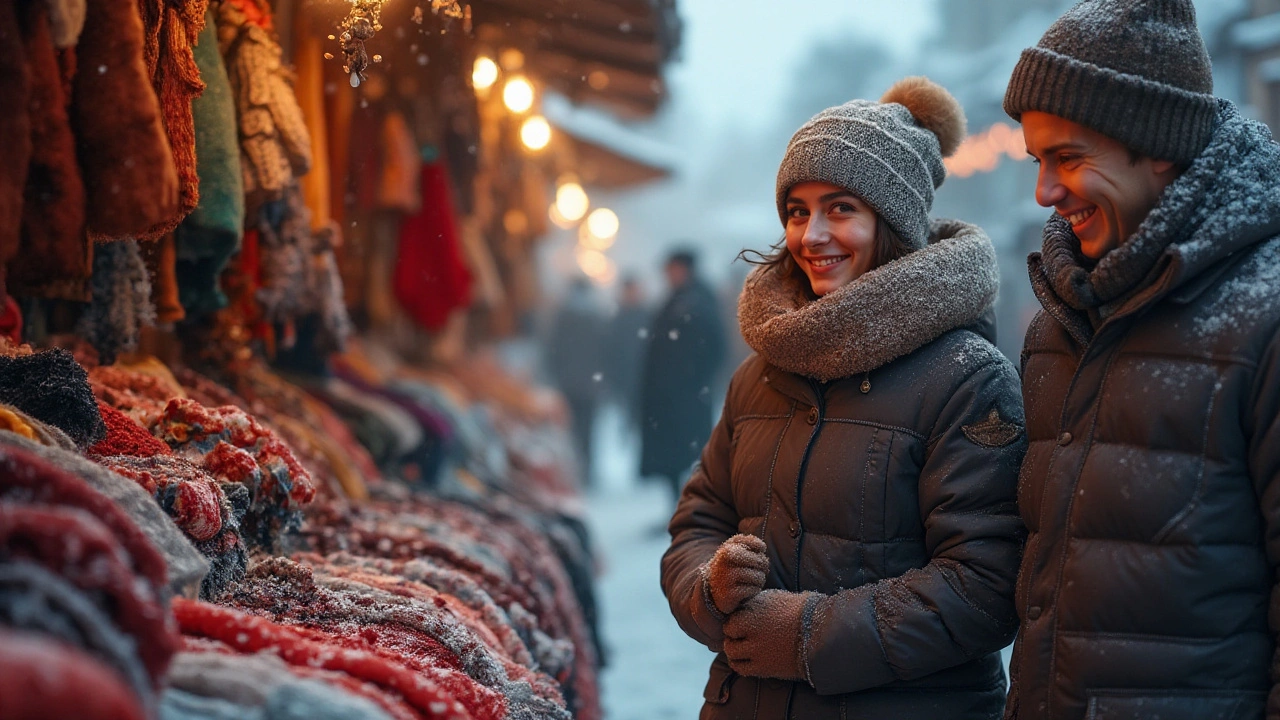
(888, 153)
(1134, 70)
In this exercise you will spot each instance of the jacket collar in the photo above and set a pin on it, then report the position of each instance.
(887, 313)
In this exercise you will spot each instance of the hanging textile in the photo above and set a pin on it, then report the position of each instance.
(430, 279)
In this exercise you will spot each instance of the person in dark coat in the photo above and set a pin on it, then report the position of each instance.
(628, 339)
(1151, 488)
(686, 347)
(576, 363)
(849, 542)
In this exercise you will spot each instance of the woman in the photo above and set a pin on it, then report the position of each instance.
(849, 542)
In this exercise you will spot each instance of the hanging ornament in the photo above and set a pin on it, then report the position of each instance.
(358, 28)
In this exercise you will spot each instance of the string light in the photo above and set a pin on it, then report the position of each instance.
(484, 74)
(603, 223)
(517, 95)
(535, 133)
(572, 202)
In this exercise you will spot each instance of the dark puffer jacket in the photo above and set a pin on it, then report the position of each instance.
(1151, 488)
(889, 489)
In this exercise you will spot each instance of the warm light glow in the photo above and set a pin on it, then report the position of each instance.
(518, 95)
(512, 60)
(485, 73)
(982, 152)
(603, 223)
(535, 133)
(560, 221)
(596, 265)
(591, 241)
(515, 222)
(572, 202)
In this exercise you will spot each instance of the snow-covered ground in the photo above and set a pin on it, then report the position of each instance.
(655, 671)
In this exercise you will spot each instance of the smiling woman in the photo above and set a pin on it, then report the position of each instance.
(888, 563)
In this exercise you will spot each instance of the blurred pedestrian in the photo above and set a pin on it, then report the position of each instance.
(576, 364)
(1152, 379)
(628, 338)
(849, 541)
(685, 349)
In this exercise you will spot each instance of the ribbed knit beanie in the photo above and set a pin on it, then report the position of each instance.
(888, 153)
(1134, 70)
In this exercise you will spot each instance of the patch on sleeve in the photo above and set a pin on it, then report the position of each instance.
(994, 432)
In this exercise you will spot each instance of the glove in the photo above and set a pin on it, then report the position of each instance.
(736, 572)
(765, 638)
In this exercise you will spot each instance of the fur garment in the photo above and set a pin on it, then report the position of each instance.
(883, 315)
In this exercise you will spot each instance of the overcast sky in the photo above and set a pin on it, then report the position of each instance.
(737, 54)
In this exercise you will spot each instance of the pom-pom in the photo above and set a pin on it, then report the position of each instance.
(933, 107)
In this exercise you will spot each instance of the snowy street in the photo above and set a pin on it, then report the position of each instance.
(655, 671)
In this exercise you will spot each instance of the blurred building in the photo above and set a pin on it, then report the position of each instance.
(1255, 38)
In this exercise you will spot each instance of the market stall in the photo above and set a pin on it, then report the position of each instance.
(257, 456)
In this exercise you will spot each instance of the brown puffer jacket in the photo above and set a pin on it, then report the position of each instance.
(889, 489)
(1151, 487)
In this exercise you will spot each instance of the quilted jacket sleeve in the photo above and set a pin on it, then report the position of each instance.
(1264, 468)
(960, 605)
(705, 517)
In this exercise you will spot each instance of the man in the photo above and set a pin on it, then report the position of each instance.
(628, 338)
(1151, 487)
(686, 347)
(575, 359)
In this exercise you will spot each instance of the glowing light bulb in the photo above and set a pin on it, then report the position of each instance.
(572, 202)
(603, 223)
(535, 133)
(484, 74)
(517, 95)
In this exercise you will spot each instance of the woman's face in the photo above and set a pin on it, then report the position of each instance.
(831, 234)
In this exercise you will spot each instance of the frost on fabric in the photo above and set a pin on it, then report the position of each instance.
(236, 448)
(209, 513)
(416, 628)
(1250, 295)
(249, 634)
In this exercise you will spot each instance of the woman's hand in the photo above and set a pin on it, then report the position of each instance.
(765, 638)
(736, 572)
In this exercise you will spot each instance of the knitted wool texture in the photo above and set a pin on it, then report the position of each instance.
(1134, 70)
(121, 300)
(52, 387)
(172, 27)
(888, 153)
(886, 313)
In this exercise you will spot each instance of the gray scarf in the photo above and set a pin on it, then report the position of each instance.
(887, 313)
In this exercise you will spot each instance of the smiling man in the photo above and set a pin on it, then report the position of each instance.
(1151, 486)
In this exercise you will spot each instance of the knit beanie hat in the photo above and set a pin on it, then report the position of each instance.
(1134, 70)
(888, 153)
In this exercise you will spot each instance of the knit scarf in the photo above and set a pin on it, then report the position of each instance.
(1224, 201)
(883, 315)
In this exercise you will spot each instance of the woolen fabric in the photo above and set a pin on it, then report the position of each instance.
(1151, 488)
(15, 124)
(127, 165)
(52, 387)
(1134, 70)
(890, 492)
(54, 259)
(878, 150)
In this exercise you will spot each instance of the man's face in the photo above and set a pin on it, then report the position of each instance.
(677, 274)
(1092, 181)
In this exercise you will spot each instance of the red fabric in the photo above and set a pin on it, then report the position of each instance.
(250, 634)
(11, 321)
(24, 477)
(431, 279)
(42, 679)
(126, 437)
(73, 544)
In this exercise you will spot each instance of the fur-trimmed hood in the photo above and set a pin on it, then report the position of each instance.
(887, 313)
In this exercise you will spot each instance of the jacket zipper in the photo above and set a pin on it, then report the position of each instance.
(819, 393)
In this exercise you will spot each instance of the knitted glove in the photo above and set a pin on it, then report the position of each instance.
(736, 572)
(765, 638)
